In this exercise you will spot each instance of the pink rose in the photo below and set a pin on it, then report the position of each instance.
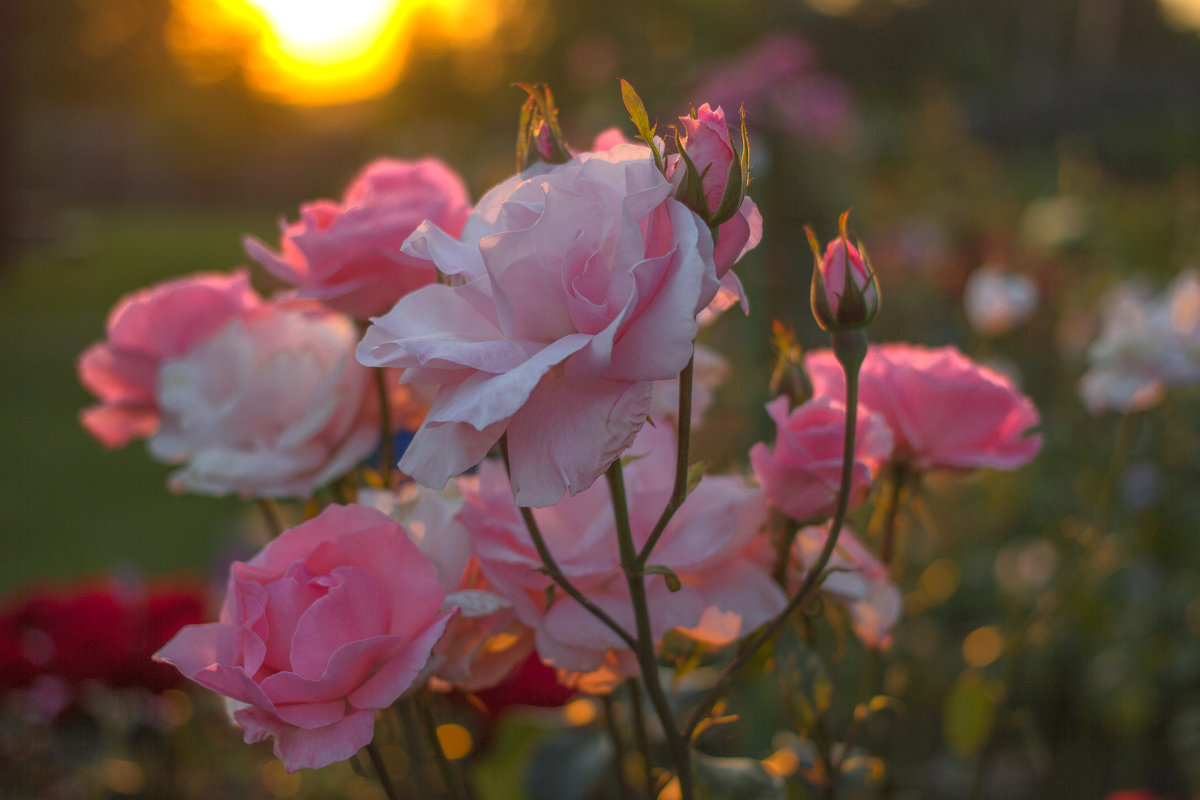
(944, 409)
(271, 405)
(844, 291)
(802, 473)
(705, 139)
(331, 622)
(724, 593)
(144, 329)
(578, 285)
(348, 255)
(485, 641)
(856, 580)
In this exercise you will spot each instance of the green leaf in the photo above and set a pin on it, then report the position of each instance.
(969, 714)
(741, 778)
(636, 108)
(673, 583)
(695, 473)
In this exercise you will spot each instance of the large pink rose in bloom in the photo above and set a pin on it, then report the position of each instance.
(578, 286)
(725, 594)
(348, 254)
(944, 409)
(144, 329)
(271, 405)
(331, 622)
(802, 472)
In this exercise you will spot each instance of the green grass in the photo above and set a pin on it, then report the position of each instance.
(71, 507)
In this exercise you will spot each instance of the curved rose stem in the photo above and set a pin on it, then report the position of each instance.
(386, 454)
(644, 647)
(679, 491)
(639, 733)
(552, 569)
(450, 776)
(850, 347)
(270, 513)
(381, 771)
(614, 734)
(1015, 642)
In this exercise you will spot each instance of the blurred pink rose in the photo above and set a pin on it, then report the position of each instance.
(578, 286)
(485, 641)
(348, 255)
(1146, 345)
(724, 594)
(271, 405)
(144, 329)
(996, 300)
(331, 622)
(856, 580)
(844, 291)
(802, 472)
(944, 409)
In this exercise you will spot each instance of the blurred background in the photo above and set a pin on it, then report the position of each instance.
(1055, 139)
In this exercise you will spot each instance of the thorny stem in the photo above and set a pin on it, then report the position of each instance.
(679, 490)
(644, 646)
(850, 366)
(1015, 642)
(555, 573)
(386, 455)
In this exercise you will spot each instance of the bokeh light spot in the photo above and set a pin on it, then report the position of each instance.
(455, 740)
(277, 781)
(983, 646)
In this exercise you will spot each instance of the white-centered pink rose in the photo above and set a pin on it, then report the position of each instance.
(944, 409)
(330, 623)
(348, 254)
(271, 405)
(144, 329)
(577, 286)
(802, 472)
(725, 594)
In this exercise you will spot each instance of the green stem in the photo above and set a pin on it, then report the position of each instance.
(381, 771)
(851, 361)
(386, 454)
(888, 539)
(639, 734)
(644, 646)
(555, 573)
(412, 745)
(683, 439)
(450, 776)
(614, 735)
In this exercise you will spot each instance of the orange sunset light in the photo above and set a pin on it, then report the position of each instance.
(304, 52)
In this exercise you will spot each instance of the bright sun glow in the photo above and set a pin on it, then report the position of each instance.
(322, 33)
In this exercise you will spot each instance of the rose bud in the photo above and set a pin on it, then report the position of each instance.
(845, 294)
(712, 178)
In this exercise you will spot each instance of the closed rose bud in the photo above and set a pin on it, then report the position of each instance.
(712, 160)
(845, 294)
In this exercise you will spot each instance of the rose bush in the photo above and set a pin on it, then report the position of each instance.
(329, 623)
(578, 286)
(348, 254)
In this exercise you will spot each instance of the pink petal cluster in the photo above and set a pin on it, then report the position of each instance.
(485, 641)
(724, 594)
(331, 622)
(271, 405)
(348, 254)
(1147, 344)
(705, 139)
(944, 410)
(144, 329)
(577, 286)
(802, 472)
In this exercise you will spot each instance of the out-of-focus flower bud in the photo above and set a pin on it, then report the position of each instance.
(845, 294)
(712, 178)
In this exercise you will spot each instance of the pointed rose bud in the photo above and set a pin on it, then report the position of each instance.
(845, 294)
(712, 178)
